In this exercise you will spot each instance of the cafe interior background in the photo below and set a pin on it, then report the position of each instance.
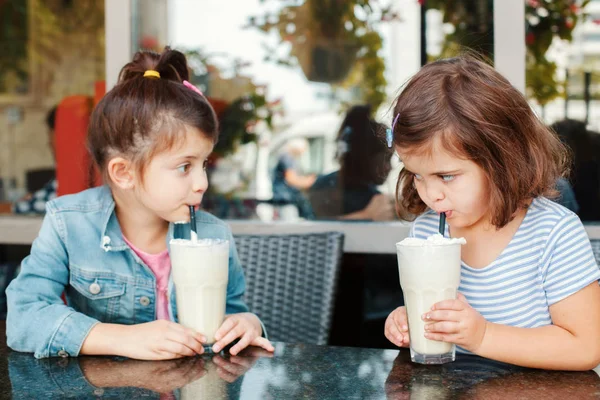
(277, 71)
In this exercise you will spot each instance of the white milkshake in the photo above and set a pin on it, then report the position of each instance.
(429, 273)
(200, 273)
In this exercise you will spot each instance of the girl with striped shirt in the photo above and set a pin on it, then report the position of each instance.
(473, 149)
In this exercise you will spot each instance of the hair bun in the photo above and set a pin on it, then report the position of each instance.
(170, 64)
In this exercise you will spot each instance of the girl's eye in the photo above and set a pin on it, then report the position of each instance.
(183, 168)
(205, 165)
(447, 178)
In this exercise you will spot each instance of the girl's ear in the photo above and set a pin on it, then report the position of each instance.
(121, 173)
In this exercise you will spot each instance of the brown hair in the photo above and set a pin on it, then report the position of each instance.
(142, 116)
(478, 115)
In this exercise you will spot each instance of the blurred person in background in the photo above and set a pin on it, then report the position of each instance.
(352, 191)
(35, 203)
(585, 168)
(289, 182)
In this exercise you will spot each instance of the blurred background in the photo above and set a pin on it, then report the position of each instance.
(281, 72)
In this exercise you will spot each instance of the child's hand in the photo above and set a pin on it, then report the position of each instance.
(455, 321)
(396, 327)
(161, 340)
(245, 326)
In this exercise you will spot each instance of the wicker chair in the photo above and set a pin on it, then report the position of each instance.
(291, 282)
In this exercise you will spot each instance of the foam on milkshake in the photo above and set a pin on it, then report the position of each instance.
(433, 240)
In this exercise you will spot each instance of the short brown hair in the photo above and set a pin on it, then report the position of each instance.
(477, 114)
(141, 115)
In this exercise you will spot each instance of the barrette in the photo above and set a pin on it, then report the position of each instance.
(389, 132)
(194, 88)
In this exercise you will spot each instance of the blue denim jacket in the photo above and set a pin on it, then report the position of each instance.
(80, 247)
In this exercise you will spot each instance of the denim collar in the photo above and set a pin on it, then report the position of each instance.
(112, 236)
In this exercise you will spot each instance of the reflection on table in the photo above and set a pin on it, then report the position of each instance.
(294, 371)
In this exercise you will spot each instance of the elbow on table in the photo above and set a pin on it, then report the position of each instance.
(590, 358)
(594, 359)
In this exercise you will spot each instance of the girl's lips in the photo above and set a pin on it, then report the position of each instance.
(448, 213)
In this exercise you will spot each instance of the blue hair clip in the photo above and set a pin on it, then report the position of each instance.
(389, 132)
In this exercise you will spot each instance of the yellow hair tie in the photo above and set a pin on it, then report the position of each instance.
(152, 73)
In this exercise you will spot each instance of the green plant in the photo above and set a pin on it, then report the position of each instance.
(238, 120)
(544, 19)
(14, 36)
(336, 38)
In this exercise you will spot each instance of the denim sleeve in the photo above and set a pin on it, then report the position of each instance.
(38, 321)
(237, 285)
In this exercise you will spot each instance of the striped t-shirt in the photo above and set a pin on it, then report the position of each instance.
(548, 259)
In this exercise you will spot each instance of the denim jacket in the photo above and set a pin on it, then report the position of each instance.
(80, 251)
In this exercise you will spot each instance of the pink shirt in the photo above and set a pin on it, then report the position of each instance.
(160, 264)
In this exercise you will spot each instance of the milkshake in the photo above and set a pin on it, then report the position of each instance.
(200, 272)
(429, 273)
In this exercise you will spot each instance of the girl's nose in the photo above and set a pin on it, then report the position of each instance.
(200, 183)
(435, 192)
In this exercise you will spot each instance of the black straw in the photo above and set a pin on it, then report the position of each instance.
(193, 219)
(442, 223)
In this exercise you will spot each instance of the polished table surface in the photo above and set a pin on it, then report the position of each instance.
(295, 371)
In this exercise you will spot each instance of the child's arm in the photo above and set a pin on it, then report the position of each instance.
(569, 279)
(38, 321)
(156, 340)
(571, 343)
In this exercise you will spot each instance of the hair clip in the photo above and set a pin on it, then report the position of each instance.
(194, 88)
(151, 73)
(389, 132)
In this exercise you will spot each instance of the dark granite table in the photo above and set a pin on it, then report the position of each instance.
(295, 371)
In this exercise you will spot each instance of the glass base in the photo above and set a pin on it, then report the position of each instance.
(432, 358)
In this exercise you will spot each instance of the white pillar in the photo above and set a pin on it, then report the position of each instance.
(117, 24)
(405, 44)
(509, 41)
(171, 9)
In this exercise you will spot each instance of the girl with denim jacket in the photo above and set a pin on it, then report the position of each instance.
(107, 248)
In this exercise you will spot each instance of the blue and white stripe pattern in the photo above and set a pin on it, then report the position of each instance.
(548, 259)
